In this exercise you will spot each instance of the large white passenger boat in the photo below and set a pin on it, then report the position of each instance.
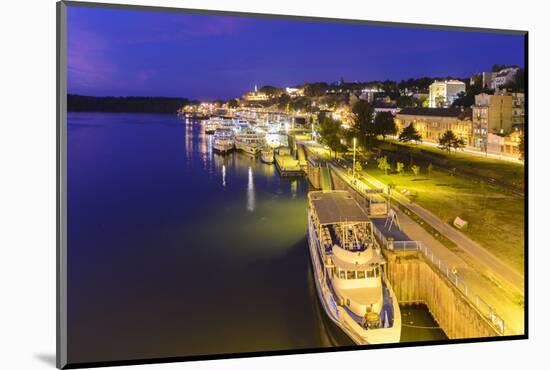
(210, 126)
(349, 269)
(223, 140)
(249, 142)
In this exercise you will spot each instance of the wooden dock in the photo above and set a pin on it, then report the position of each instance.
(288, 166)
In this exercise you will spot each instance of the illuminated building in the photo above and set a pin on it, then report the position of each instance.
(431, 123)
(491, 114)
(255, 95)
(444, 93)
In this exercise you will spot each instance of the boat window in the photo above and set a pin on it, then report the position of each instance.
(342, 274)
(370, 273)
(350, 274)
(360, 274)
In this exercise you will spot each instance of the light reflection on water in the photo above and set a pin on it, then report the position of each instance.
(250, 196)
(175, 251)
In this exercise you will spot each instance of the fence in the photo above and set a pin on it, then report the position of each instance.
(402, 245)
(483, 307)
(450, 273)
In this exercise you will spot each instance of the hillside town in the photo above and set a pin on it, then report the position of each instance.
(483, 114)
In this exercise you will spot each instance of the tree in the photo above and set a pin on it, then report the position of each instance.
(233, 103)
(450, 141)
(467, 99)
(301, 104)
(363, 125)
(315, 89)
(271, 91)
(458, 143)
(440, 101)
(384, 124)
(399, 167)
(430, 169)
(415, 169)
(383, 164)
(331, 132)
(283, 102)
(358, 166)
(409, 133)
(405, 101)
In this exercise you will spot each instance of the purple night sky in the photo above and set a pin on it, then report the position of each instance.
(138, 53)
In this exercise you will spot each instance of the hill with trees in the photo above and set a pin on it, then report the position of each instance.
(140, 104)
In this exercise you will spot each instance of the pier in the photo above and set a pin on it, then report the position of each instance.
(288, 166)
(417, 274)
(416, 279)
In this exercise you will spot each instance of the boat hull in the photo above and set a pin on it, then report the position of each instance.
(249, 149)
(222, 148)
(267, 159)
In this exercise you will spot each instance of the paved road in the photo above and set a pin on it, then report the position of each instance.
(493, 263)
(477, 153)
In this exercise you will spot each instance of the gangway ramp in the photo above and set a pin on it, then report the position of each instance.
(326, 182)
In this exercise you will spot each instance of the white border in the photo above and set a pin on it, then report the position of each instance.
(27, 183)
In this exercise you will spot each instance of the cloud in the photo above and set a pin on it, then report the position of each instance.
(180, 27)
(88, 64)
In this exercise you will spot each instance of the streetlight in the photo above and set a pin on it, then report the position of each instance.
(354, 142)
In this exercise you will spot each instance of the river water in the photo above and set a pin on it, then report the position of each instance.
(174, 250)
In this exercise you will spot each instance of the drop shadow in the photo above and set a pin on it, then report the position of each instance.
(47, 358)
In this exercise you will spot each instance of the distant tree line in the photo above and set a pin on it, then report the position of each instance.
(81, 103)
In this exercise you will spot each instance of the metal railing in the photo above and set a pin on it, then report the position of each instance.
(402, 245)
(485, 309)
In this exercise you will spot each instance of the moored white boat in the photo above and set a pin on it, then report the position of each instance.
(349, 269)
(249, 142)
(210, 127)
(267, 155)
(223, 140)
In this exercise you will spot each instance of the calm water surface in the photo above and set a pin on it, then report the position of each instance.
(174, 250)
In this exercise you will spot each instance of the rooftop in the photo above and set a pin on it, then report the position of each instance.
(454, 82)
(336, 206)
(437, 112)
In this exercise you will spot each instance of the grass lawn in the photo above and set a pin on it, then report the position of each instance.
(495, 218)
(505, 171)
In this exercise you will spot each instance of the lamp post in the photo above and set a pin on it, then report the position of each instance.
(354, 143)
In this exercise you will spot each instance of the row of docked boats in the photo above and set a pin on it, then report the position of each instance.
(229, 135)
